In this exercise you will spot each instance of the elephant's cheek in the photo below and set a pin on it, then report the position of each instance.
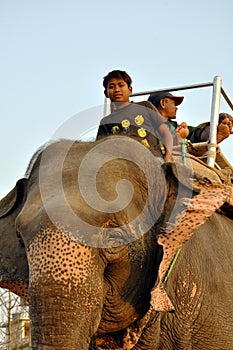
(65, 292)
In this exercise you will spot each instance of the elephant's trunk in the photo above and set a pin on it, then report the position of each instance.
(65, 292)
(58, 322)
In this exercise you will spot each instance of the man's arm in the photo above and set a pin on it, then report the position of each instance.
(167, 141)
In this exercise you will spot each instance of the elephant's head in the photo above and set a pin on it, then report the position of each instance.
(92, 236)
(13, 259)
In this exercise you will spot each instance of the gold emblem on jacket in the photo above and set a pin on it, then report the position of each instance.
(125, 123)
(141, 132)
(139, 120)
(145, 143)
(115, 129)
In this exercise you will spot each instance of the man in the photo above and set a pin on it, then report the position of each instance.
(166, 103)
(139, 121)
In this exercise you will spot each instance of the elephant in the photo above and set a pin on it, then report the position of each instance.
(114, 249)
(12, 251)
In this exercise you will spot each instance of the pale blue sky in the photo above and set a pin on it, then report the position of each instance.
(54, 54)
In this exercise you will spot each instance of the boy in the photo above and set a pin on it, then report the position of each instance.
(140, 121)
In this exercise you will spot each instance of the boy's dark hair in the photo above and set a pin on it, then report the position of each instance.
(117, 74)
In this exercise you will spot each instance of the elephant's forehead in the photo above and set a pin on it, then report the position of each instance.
(54, 255)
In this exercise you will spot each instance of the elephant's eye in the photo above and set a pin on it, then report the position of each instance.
(112, 237)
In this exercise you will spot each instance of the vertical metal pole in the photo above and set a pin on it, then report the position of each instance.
(211, 154)
(107, 109)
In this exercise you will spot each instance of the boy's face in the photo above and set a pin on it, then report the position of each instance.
(118, 90)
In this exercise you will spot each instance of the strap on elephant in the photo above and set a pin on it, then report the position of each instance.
(171, 266)
(223, 174)
(198, 209)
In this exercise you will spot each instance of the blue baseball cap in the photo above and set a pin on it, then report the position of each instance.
(156, 97)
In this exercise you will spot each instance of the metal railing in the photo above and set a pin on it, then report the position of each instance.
(215, 107)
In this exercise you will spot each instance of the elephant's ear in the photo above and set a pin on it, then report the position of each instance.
(185, 174)
(198, 209)
(182, 173)
(15, 197)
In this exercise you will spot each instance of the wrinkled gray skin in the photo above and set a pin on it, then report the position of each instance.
(13, 259)
(84, 297)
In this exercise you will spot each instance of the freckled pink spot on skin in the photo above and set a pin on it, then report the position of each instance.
(194, 290)
(199, 209)
(47, 256)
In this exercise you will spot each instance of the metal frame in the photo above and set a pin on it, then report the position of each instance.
(215, 106)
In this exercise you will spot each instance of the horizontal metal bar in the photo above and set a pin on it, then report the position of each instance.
(188, 87)
(196, 86)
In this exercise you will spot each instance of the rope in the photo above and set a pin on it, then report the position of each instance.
(172, 265)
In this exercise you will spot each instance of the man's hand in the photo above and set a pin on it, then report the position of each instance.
(182, 130)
